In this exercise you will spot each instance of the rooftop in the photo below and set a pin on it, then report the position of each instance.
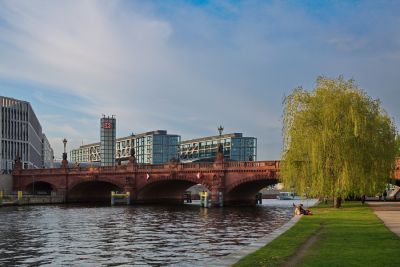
(214, 137)
(155, 132)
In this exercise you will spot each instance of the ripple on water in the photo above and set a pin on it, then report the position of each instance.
(126, 236)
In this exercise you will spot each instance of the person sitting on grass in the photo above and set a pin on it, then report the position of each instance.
(300, 210)
(297, 210)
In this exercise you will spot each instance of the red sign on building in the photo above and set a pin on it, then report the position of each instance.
(107, 125)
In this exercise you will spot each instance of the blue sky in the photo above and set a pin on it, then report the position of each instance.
(189, 66)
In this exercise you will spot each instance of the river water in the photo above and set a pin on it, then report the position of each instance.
(78, 235)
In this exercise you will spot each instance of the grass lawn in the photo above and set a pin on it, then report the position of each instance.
(350, 236)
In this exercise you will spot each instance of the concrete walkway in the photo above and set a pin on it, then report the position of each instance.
(389, 213)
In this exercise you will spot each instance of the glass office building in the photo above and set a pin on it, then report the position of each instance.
(107, 141)
(236, 148)
(155, 147)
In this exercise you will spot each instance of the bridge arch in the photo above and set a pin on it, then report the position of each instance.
(167, 189)
(40, 187)
(244, 190)
(92, 191)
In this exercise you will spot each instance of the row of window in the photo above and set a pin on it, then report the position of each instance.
(241, 141)
(9, 150)
(20, 113)
(14, 130)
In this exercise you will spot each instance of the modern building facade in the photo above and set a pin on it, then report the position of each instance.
(155, 147)
(21, 134)
(107, 141)
(47, 153)
(236, 148)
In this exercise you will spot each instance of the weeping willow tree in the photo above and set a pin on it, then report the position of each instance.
(338, 142)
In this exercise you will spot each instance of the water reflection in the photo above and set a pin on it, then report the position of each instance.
(134, 235)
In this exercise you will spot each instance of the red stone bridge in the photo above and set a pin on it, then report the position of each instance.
(238, 181)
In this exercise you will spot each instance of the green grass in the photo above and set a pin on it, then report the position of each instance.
(350, 236)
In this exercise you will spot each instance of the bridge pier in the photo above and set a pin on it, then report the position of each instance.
(217, 198)
(63, 193)
(132, 193)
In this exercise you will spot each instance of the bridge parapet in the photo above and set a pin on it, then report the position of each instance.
(152, 166)
(268, 165)
(75, 170)
(259, 165)
(38, 171)
(200, 165)
(229, 166)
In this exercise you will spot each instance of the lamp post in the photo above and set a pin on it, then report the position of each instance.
(220, 129)
(65, 148)
(64, 162)
(218, 192)
(220, 148)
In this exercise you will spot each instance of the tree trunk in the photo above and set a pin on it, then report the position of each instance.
(337, 202)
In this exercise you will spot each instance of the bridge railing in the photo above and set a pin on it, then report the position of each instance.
(200, 165)
(152, 166)
(40, 171)
(252, 164)
(113, 168)
(58, 171)
(233, 165)
(210, 165)
(268, 165)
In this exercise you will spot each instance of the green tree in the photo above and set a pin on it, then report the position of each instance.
(337, 141)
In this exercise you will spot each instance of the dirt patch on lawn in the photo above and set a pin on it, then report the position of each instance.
(294, 259)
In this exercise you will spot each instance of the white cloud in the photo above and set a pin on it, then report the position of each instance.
(185, 69)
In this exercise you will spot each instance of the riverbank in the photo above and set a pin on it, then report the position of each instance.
(12, 200)
(350, 236)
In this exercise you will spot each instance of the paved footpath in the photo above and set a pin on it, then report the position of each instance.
(389, 213)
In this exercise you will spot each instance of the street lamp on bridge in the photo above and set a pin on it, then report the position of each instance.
(64, 162)
(220, 129)
(220, 148)
(65, 148)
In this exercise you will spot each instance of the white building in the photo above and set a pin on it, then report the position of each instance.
(21, 133)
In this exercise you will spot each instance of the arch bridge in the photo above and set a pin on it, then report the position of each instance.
(237, 181)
